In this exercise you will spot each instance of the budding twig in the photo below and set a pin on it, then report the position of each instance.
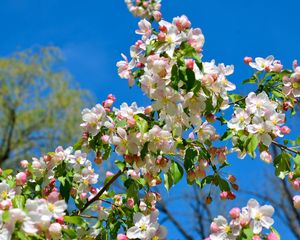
(105, 188)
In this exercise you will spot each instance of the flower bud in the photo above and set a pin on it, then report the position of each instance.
(247, 60)
(234, 213)
(189, 63)
(60, 220)
(285, 130)
(231, 178)
(130, 202)
(266, 157)
(208, 200)
(231, 196)
(296, 184)
(148, 110)
(256, 238)
(157, 16)
(296, 201)
(55, 230)
(122, 237)
(24, 164)
(210, 118)
(21, 178)
(272, 236)
(83, 196)
(224, 195)
(5, 204)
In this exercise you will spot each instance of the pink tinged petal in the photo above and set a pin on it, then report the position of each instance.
(256, 226)
(267, 222)
(133, 232)
(122, 133)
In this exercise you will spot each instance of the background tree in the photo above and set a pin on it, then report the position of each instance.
(40, 104)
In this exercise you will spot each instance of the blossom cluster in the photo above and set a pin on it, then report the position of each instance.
(145, 8)
(43, 216)
(250, 220)
(260, 118)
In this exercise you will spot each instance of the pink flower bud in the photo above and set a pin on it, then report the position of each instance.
(143, 206)
(224, 195)
(247, 60)
(55, 230)
(122, 237)
(157, 15)
(83, 196)
(296, 201)
(131, 122)
(5, 204)
(1, 171)
(163, 28)
(111, 97)
(285, 130)
(148, 110)
(53, 197)
(266, 157)
(256, 238)
(109, 174)
(60, 220)
(189, 63)
(214, 228)
(272, 236)
(24, 164)
(107, 103)
(182, 23)
(47, 158)
(296, 185)
(277, 67)
(21, 178)
(130, 202)
(93, 190)
(105, 139)
(191, 136)
(234, 213)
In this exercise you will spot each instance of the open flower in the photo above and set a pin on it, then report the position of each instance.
(261, 216)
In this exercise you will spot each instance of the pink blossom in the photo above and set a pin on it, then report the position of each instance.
(272, 236)
(122, 237)
(21, 178)
(285, 130)
(248, 60)
(296, 201)
(234, 213)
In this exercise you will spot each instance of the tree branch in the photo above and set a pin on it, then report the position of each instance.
(105, 188)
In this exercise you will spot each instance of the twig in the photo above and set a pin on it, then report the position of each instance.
(105, 188)
(285, 147)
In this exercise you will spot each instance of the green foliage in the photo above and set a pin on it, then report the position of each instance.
(40, 104)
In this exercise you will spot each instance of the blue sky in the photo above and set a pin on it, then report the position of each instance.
(92, 35)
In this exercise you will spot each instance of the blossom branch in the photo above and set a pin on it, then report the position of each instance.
(285, 147)
(99, 194)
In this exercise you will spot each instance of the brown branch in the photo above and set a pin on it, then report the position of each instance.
(163, 208)
(105, 188)
(285, 147)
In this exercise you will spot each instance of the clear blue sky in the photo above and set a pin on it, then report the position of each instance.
(92, 35)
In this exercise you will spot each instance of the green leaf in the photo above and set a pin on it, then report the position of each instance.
(168, 180)
(227, 135)
(18, 201)
(176, 171)
(190, 158)
(235, 97)
(70, 232)
(251, 144)
(206, 180)
(141, 123)
(74, 220)
(5, 216)
(297, 159)
(282, 165)
(6, 172)
(120, 164)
